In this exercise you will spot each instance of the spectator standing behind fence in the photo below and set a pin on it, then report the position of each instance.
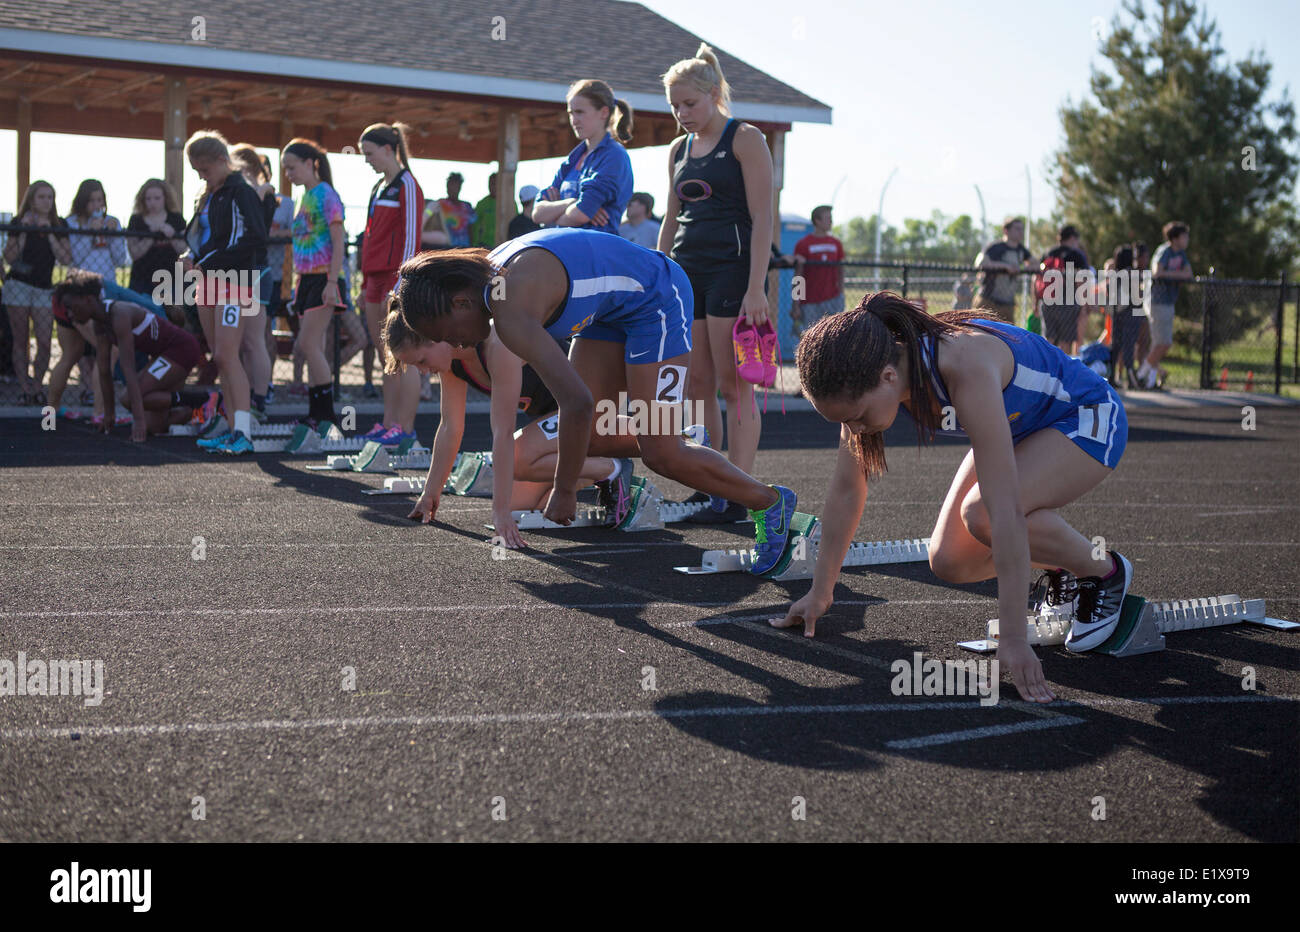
(103, 255)
(1121, 299)
(641, 225)
(1064, 267)
(999, 263)
(593, 185)
(29, 284)
(1141, 261)
(1169, 266)
(718, 226)
(823, 284)
(457, 216)
(483, 231)
(157, 210)
(523, 221)
(962, 293)
(392, 236)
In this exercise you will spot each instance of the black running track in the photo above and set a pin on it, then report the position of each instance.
(517, 686)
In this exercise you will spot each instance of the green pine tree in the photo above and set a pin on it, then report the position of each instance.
(1178, 133)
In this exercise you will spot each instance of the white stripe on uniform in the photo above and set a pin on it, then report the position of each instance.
(586, 287)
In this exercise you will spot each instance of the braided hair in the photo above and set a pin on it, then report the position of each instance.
(843, 355)
(428, 281)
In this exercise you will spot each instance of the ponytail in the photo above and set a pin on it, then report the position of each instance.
(704, 73)
(843, 355)
(393, 135)
(310, 151)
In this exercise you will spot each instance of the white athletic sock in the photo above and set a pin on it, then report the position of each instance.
(244, 423)
(614, 475)
(1143, 370)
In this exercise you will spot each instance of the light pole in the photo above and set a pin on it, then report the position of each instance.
(880, 210)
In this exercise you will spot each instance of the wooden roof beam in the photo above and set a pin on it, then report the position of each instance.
(70, 79)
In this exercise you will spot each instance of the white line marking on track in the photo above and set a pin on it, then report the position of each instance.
(616, 715)
(991, 731)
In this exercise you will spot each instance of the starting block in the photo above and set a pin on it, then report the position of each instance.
(375, 457)
(800, 557)
(644, 514)
(1142, 624)
(260, 431)
(472, 475)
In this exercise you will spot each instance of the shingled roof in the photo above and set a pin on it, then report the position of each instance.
(451, 46)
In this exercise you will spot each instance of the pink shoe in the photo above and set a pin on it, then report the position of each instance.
(769, 348)
(377, 431)
(749, 364)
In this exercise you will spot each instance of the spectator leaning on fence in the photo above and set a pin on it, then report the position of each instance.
(641, 225)
(29, 284)
(999, 264)
(157, 210)
(523, 221)
(823, 284)
(103, 255)
(1064, 267)
(962, 293)
(593, 185)
(1169, 266)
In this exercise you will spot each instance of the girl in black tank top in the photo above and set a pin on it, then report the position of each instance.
(713, 222)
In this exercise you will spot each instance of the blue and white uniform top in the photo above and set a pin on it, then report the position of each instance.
(1048, 389)
(618, 291)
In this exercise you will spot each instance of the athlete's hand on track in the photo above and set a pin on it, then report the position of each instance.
(1019, 659)
(805, 612)
(426, 507)
(139, 429)
(754, 307)
(507, 531)
(561, 506)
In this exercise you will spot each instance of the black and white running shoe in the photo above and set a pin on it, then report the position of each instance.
(616, 493)
(1055, 592)
(1099, 603)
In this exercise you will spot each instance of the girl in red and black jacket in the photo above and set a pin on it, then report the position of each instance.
(227, 234)
(393, 222)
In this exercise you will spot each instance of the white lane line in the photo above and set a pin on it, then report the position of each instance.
(536, 606)
(616, 715)
(991, 731)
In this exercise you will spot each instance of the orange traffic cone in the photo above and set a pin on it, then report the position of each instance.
(1250, 380)
(1223, 379)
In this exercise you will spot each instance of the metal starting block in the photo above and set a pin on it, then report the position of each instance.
(260, 431)
(375, 457)
(472, 475)
(333, 442)
(643, 515)
(800, 559)
(1143, 625)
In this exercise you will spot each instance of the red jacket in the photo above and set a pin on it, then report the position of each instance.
(393, 223)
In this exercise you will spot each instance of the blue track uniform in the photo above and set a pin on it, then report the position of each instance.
(1049, 389)
(618, 291)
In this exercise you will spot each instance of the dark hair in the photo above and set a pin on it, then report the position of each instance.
(1067, 231)
(397, 335)
(247, 157)
(645, 199)
(1174, 229)
(456, 177)
(602, 95)
(1010, 221)
(1125, 255)
(392, 135)
(429, 280)
(79, 283)
(842, 356)
(817, 210)
(82, 197)
(1140, 249)
(310, 151)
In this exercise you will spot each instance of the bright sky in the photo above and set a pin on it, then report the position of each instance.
(953, 94)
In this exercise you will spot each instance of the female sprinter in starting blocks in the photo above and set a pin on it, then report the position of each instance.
(1044, 429)
(154, 396)
(629, 312)
(523, 460)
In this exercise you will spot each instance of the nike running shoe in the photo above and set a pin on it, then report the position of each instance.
(697, 434)
(1055, 592)
(772, 531)
(236, 445)
(377, 431)
(616, 494)
(211, 444)
(1100, 600)
(394, 436)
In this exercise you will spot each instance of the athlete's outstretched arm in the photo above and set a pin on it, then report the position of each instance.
(977, 397)
(848, 492)
(507, 373)
(668, 227)
(446, 444)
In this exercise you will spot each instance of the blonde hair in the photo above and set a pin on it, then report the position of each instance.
(207, 145)
(171, 203)
(704, 74)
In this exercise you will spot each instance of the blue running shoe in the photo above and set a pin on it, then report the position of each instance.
(698, 434)
(211, 444)
(772, 531)
(236, 445)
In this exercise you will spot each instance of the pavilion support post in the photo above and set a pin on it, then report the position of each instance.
(175, 111)
(507, 163)
(776, 140)
(24, 148)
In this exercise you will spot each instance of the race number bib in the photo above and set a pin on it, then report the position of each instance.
(1094, 421)
(230, 315)
(672, 385)
(550, 426)
(159, 368)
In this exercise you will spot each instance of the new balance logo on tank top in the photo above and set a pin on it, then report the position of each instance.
(611, 280)
(1046, 388)
(713, 223)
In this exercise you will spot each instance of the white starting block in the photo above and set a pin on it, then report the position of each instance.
(472, 475)
(644, 514)
(260, 431)
(375, 457)
(1143, 625)
(800, 559)
(333, 442)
